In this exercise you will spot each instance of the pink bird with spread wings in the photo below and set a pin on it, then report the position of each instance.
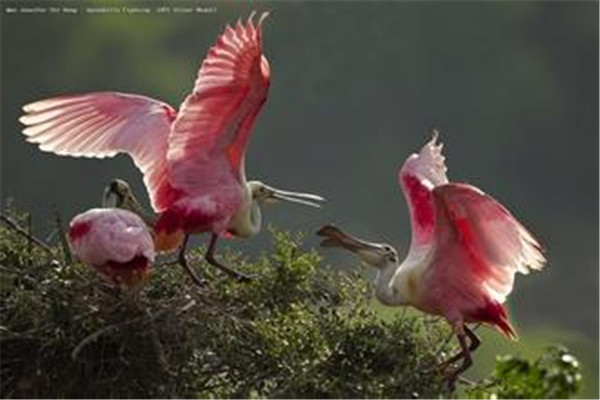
(465, 251)
(192, 159)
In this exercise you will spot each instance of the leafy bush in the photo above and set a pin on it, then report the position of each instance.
(300, 329)
(554, 375)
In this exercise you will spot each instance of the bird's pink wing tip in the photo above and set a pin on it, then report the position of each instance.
(258, 25)
(262, 17)
(35, 106)
(248, 30)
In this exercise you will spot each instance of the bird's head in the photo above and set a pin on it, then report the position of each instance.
(248, 222)
(118, 194)
(264, 194)
(375, 255)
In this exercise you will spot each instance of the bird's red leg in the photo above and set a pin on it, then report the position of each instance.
(462, 332)
(210, 257)
(475, 342)
(183, 262)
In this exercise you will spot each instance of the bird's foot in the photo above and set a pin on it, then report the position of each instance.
(439, 367)
(453, 376)
(450, 377)
(241, 277)
(238, 276)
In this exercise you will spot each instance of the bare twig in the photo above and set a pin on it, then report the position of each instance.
(32, 239)
(160, 351)
(186, 307)
(443, 346)
(147, 318)
(29, 242)
(94, 336)
(166, 263)
(466, 381)
(62, 238)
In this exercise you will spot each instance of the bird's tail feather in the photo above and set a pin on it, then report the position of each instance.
(495, 314)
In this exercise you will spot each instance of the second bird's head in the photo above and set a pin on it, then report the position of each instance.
(118, 194)
(265, 194)
(376, 255)
(249, 220)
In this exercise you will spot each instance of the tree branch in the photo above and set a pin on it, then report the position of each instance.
(32, 239)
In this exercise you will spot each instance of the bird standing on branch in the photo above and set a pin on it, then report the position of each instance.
(192, 159)
(465, 250)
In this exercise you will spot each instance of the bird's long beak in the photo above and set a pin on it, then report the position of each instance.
(306, 199)
(334, 237)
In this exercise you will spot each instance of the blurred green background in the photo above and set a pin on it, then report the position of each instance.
(512, 86)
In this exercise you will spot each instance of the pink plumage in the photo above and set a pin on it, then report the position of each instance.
(192, 159)
(474, 245)
(465, 251)
(102, 125)
(115, 242)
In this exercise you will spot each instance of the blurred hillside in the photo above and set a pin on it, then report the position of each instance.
(511, 85)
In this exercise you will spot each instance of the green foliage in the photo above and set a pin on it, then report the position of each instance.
(556, 374)
(299, 330)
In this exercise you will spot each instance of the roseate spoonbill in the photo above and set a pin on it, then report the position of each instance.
(115, 242)
(465, 250)
(192, 159)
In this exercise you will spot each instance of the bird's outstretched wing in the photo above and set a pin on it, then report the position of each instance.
(479, 243)
(102, 125)
(419, 175)
(211, 132)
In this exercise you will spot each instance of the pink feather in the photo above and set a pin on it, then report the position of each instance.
(473, 245)
(192, 160)
(116, 242)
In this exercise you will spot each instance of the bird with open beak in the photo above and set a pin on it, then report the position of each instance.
(192, 158)
(465, 251)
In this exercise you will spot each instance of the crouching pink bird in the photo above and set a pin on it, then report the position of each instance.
(465, 251)
(115, 242)
(192, 159)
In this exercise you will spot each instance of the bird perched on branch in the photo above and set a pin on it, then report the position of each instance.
(192, 158)
(115, 242)
(465, 251)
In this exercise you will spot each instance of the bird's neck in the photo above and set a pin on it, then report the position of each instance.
(248, 221)
(384, 287)
(147, 216)
(395, 285)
